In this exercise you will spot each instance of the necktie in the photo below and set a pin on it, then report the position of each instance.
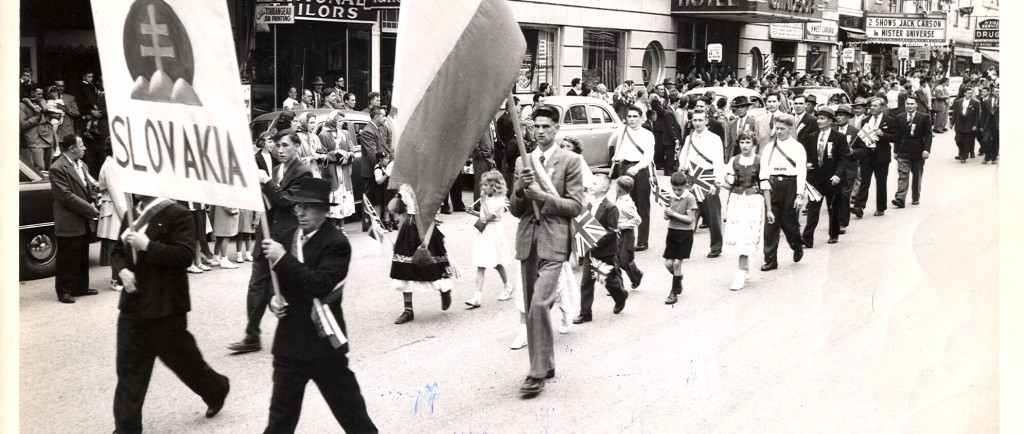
(821, 148)
(542, 159)
(299, 242)
(739, 126)
(910, 118)
(771, 122)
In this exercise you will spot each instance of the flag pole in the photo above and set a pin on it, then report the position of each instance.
(510, 108)
(265, 226)
(130, 215)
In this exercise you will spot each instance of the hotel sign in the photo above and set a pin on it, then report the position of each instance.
(758, 10)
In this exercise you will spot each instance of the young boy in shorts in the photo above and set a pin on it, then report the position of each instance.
(681, 215)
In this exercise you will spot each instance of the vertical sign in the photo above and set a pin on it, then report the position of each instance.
(714, 53)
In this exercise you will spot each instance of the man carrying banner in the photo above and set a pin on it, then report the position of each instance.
(634, 151)
(276, 187)
(312, 262)
(157, 248)
(554, 188)
(703, 149)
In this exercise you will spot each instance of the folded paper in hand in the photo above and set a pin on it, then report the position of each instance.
(326, 325)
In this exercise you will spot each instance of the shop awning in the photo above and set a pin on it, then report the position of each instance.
(992, 55)
(852, 30)
(963, 51)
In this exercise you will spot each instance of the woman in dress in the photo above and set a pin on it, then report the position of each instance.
(748, 199)
(406, 274)
(113, 206)
(310, 150)
(337, 142)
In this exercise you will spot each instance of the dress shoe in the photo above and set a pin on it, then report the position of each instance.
(808, 244)
(963, 161)
(531, 387)
(446, 299)
(899, 203)
(463, 209)
(833, 240)
(984, 162)
(245, 346)
(714, 254)
(859, 212)
(972, 155)
(405, 317)
(89, 291)
(916, 202)
(581, 318)
(215, 408)
(798, 254)
(619, 306)
(639, 278)
(446, 211)
(551, 373)
(770, 266)
(879, 213)
(672, 298)
(640, 247)
(66, 298)
(703, 226)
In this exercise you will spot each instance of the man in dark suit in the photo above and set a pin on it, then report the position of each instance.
(555, 189)
(73, 214)
(371, 141)
(276, 188)
(158, 247)
(312, 261)
(851, 164)
(807, 124)
(741, 122)
(88, 97)
(882, 133)
(826, 170)
(605, 252)
(966, 116)
(913, 148)
(990, 127)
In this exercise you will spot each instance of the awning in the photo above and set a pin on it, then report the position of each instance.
(963, 52)
(852, 30)
(852, 33)
(992, 55)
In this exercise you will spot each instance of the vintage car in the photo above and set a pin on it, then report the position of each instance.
(730, 94)
(590, 120)
(37, 246)
(830, 96)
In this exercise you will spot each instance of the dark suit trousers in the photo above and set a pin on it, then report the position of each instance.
(711, 209)
(613, 283)
(992, 147)
(832, 198)
(337, 384)
(72, 265)
(455, 193)
(844, 203)
(540, 282)
(627, 240)
(139, 343)
(868, 166)
(641, 195)
(260, 292)
(964, 144)
(907, 168)
(786, 219)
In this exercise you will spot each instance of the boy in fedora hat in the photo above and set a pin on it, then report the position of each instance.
(312, 262)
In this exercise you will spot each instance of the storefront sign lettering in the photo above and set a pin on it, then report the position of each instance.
(798, 6)
(987, 34)
(707, 3)
(333, 10)
(787, 31)
(906, 29)
(275, 14)
(774, 8)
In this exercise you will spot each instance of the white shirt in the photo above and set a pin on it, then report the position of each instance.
(624, 149)
(774, 163)
(289, 103)
(710, 145)
(299, 243)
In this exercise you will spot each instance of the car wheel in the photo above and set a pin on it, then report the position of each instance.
(38, 252)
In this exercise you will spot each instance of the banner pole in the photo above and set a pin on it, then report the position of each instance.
(510, 108)
(265, 227)
(130, 215)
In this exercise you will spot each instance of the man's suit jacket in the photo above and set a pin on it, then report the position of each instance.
(857, 149)
(888, 133)
(608, 214)
(160, 274)
(819, 175)
(73, 208)
(806, 125)
(371, 140)
(765, 133)
(915, 137)
(280, 212)
(922, 100)
(70, 114)
(989, 115)
(963, 123)
(551, 232)
(326, 257)
(750, 124)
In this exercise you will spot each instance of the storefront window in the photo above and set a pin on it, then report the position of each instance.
(539, 62)
(654, 63)
(603, 52)
(817, 58)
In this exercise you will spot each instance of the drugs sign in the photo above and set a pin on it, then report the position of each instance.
(177, 127)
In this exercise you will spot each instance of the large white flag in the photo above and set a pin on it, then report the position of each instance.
(174, 100)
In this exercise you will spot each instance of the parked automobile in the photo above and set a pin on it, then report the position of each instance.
(590, 120)
(37, 245)
(730, 94)
(354, 122)
(830, 96)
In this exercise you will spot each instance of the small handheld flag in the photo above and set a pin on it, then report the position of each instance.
(586, 230)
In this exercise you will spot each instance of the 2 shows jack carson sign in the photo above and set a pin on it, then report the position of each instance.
(176, 129)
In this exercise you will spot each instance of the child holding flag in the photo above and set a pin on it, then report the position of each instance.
(601, 260)
(490, 249)
(681, 215)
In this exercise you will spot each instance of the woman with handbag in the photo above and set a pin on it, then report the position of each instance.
(490, 250)
(337, 142)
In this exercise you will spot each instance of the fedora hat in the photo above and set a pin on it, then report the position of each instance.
(318, 80)
(312, 190)
(846, 109)
(860, 101)
(741, 101)
(826, 111)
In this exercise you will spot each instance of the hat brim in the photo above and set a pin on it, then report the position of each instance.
(300, 199)
(848, 114)
(742, 104)
(825, 114)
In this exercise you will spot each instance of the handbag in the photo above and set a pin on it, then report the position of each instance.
(481, 223)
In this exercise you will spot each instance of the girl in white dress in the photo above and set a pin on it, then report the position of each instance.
(490, 249)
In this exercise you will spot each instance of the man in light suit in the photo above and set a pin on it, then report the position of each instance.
(741, 122)
(71, 112)
(912, 150)
(371, 141)
(766, 122)
(73, 212)
(966, 116)
(284, 181)
(543, 240)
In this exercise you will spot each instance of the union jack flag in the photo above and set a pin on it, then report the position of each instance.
(376, 230)
(600, 269)
(586, 230)
(662, 196)
(703, 180)
(811, 193)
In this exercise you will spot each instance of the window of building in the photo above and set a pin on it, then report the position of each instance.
(539, 61)
(653, 64)
(692, 46)
(603, 56)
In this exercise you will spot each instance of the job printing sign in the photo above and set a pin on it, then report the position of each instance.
(176, 130)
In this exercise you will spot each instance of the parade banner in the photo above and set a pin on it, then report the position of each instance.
(448, 87)
(177, 124)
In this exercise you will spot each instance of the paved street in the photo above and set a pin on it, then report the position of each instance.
(894, 329)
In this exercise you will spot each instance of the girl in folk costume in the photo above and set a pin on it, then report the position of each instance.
(746, 198)
(337, 142)
(490, 250)
(310, 150)
(407, 274)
